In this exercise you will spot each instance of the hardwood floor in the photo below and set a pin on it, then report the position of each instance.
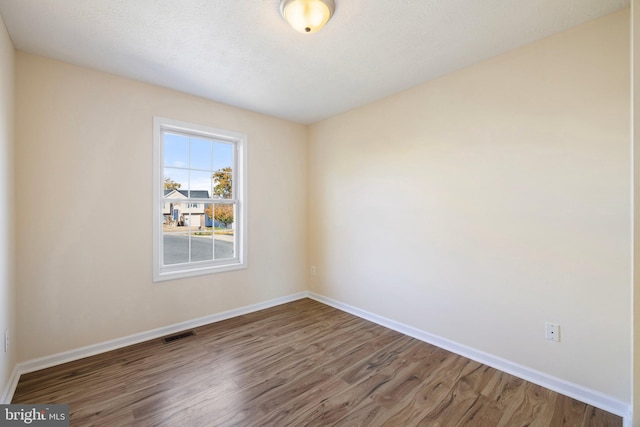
(297, 364)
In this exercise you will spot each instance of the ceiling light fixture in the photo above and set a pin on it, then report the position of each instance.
(307, 16)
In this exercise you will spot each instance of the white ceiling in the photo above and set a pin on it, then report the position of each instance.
(242, 53)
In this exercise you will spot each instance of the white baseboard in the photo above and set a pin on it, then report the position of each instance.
(575, 391)
(10, 388)
(91, 350)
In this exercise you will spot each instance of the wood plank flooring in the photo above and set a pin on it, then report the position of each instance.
(298, 364)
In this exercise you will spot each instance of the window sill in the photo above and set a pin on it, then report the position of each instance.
(174, 274)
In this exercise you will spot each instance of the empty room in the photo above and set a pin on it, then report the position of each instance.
(319, 212)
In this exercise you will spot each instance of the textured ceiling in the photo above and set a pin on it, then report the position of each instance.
(242, 53)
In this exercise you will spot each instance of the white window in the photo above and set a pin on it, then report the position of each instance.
(199, 200)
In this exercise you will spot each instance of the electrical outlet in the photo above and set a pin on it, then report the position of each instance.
(313, 270)
(6, 340)
(552, 331)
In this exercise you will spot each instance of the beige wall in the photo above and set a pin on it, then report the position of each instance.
(635, 7)
(7, 283)
(482, 204)
(83, 145)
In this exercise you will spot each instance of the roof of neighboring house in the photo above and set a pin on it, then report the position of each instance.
(197, 194)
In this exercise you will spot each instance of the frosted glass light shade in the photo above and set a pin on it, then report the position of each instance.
(307, 16)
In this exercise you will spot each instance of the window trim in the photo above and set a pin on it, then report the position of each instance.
(240, 179)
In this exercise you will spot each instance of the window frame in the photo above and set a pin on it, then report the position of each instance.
(163, 272)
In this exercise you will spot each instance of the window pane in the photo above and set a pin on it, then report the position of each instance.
(224, 231)
(200, 184)
(175, 236)
(222, 184)
(222, 155)
(176, 150)
(176, 179)
(195, 210)
(201, 238)
(200, 154)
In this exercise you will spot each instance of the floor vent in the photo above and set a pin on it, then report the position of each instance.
(178, 336)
